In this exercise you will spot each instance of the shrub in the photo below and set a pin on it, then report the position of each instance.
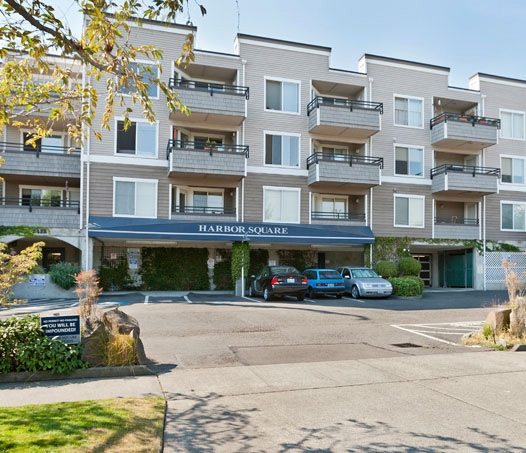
(386, 269)
(408, 286)
(63, 274)
(114, 276)
(120, 350)
(223, 275)
(25, 347)
(409, 266)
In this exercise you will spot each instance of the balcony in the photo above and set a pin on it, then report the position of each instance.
(456, 227)
(343, 171)
(40, 212)
(465, 180)
(49, 161)
(339, 218)
(210, 103)
(204, 213)
(206, 160)
(344, 117)
(465, 134)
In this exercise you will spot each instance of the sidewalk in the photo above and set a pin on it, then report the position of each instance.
(473, 401)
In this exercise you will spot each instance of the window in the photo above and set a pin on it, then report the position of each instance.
(281, 205)
(512, 125)
(409, 161)
(208, 201)
(282, 150)
(135, 198)
(52, 144)
(512, 170)
(282, 96)
(335, 153)
(40, 196)
(146, 73)
(139, 139)
(409, 112)
(332, 207)
(409, 211)
(513, 216)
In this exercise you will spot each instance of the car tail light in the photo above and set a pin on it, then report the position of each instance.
(274, 280)
(340, 284)
(305, 281)
(321, 284)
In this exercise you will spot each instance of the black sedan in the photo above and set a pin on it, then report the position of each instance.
(278, 281)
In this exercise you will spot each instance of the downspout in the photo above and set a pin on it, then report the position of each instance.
(483, 156)
(85, 151)
(369, 220)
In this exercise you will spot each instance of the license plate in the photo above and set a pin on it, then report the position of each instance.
(331, 285)
(291, 280)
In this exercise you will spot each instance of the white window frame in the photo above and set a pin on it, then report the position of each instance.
(410, 197)
(512, 113)
(142, 63)
(409, 98)
(409, 148)
(281, 134)
(512, 158)
(281, 190)
(280, 80)
(208, 191)
(513, 203)
(62, 191)
(62, 134)
(155, 182)
(136, 155)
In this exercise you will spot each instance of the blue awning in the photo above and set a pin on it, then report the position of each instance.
(164, 229)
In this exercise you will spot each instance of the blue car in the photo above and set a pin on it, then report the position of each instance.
(324, 281)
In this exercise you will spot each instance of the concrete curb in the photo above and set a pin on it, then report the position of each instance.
(89, 373)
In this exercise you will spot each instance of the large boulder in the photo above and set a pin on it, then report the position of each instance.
(98, 332)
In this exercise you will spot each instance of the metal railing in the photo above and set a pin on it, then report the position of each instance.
(473, 170)
(472, 119)
(45, 203)
(330, 215)
(351, 104)
(348, 159)
(203, 210)
(209, 147)
(456, 220)
(211, 87)
(12, 147)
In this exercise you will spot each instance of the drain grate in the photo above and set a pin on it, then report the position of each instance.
(406, 345)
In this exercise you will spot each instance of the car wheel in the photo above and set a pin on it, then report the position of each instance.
(339, 295)
(355, 293)
(300, 297)
(267, 294)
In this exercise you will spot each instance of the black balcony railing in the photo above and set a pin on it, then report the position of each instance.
(350, 104)
(209, 147)
(456, 220)
(473, 170)
(203, 210)
(474, 120)
(330, 215)
(11, 147)
(45, 203)
(211, 87)
(345, 159)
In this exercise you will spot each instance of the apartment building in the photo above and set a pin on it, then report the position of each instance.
(284, 152)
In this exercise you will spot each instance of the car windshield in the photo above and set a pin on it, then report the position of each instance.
(364, 273)
(330, 275)
(284, 270)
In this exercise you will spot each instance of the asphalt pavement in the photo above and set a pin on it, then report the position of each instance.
(468, 401)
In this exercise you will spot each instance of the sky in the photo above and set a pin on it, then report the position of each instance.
(466, 36)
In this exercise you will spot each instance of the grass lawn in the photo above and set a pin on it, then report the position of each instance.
(112, 425)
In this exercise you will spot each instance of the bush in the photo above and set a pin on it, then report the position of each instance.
(386, 269)
(409, 266)
(63, 274)
(409, 286)
(223, 275)
(114, 276)
(25, 347)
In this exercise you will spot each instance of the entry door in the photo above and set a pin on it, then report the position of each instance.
(425, 273)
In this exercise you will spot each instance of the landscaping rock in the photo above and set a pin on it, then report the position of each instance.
(499, 319)
(518, 318)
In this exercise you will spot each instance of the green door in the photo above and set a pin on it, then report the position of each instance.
(459, 270)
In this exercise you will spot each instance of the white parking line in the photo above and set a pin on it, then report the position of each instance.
(146, 300)
(441, 328)
(188, 301)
